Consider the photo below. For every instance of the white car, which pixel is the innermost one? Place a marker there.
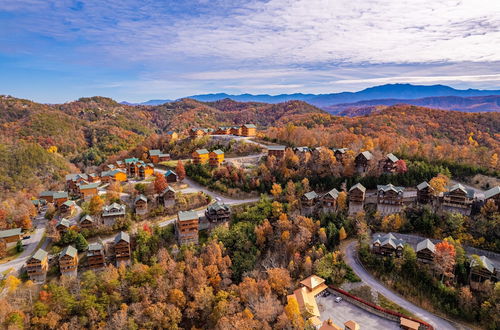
(338, 299)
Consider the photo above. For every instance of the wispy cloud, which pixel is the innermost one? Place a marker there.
(421, 80)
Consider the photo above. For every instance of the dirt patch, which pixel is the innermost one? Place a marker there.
(484, 182)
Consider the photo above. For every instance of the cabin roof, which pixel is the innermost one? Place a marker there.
(75, 176)
(492, 192)
(89, 186)
(217, 206)
(63, 222)
(358, 186)
(368, 155)
(218, 152)
(141, 197)
(68, 250)
(154, 152)
(69, 203)
(96, 246)
(392, 157)
(334, 193)
(426, 244)
(312, 282)
(388, 239)
(40, 255)
(249, 126)
(167, 173)
(423, 185)
(486, 263)
(311, 195)
(390, 186)
(122, 236)
(470, 193)
(60, 194)
(341, 150)
(276, 148)
(10, 232)
(201, 151)
(168, 189)
(187, 215)
(87, 217)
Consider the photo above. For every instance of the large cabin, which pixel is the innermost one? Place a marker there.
(11, 236)
(110, 213)
(425, 251)
(277, 151)
(200, 156)
(216, 158)
(75, 180)
(356, 198)
(67, 207)
(87, 191)
(223, 130)
(37, 266)
(218, 213)
(96, 258)
(167, 197)
(171, 176)
(199, 132)
(141, 205)
(156, 156)
(68, 261)
(62, 226)
(87, 222)
(329, 201)
(362, 161)
(308, 202)
(482, 269)
(248, 130)
(235, 130)
(387, 245)
(186, 227)
(458, 199)
(425, 193)
(389, 199)
(388, 164)
(115, 175)
(122, 248)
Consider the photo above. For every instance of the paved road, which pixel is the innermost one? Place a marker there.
(39, 223)
(367, 278)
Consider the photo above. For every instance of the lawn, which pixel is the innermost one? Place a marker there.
(11, 255)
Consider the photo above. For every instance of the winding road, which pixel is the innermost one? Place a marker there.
(352, 260)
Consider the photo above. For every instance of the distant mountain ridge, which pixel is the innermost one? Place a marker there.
(388, 91)
(489, 103)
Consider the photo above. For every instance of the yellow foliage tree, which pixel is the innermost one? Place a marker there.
(292, 311)
(494, 161)
(52, 149)
(276, 190)
(11, 283)
(439, 183)
(342, 201)
(342, 234)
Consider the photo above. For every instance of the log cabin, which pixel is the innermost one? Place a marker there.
(68, 261)
(277, 151)
(110, 213)
(362, 161)
(387, 245)
(482, 269)
(425, 193)
(67, 207)
(62, 226)
(74, 180)
(171, 176)
(235, 130)
(167, 197)
(186, 227)
(215, 158)
(87, 191)
(37, 266)
(87, 222)
(458, 199)
(218, 212)
(425, 251)
(141, 205)
(199, 132)
(122, 248)
(388, 164)
(200, 156)
(156, 156)
(308, 202)
(329, 201)
(96, 257)
(116, 175)
(389, 199)
(248, 130)
(356, 198)
(223, 130)
(11, 236)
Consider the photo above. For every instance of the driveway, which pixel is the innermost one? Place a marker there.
(352, 260)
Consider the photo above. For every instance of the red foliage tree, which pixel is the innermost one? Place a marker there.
(401, 166)
(181, 172)
(160, 183)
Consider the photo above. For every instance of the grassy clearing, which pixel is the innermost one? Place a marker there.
(389, 304)
(11, 255)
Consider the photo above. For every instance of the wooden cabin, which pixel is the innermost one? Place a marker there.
(387, 244)
(388, 164)
(67, 207)
(75, 180)
(199, 132)
(172, 136)
(122, 248)
(47, 196)
(171, 176)
(141, 204)
(68, 261)
(357, 193)
(87, 191)
(110, 213)
(425, 251)
(494, 195)
(235, 130)
(11, 236)
(308, 202)
(200, 156)
(218, 212)
(186, 227)
(216, 158)
(96, 258)
(362, 161)
(138, 169)
(277, 151)
(62, 226)
(167, 197)
(56, 197)
(389, 199)
(458, 199)
(37, 266)
(223, 130)
(145, 170)
(425, 193)
(156, 156)
(248, 130)
(116, 175)
(329, 201)
(87, 222)
(339, 153)
(482, 269)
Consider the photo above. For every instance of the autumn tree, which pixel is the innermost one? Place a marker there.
(279, 279)
(342, 201)
(181, 172)
(439, 183)
(95, 205)
(444, 259)
(3, 248)
(401, 166)
(276, 190)
(114, 191)
(160, 183)
(342, 234)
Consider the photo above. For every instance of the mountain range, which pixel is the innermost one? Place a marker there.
(396, 93)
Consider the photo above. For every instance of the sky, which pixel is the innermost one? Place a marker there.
(56, 51)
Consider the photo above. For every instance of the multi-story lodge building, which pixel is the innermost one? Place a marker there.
(248, 130)
(389, 199)
(68, 261)
(138, 169)
(329, 201)
(62, 225)
(87, 222)
(74, 180)
(482, 269)
(11, 236)
(425, 251)
(458, 199)
(387, 244)
(122, 248)
(37, 266)
(110, 213)
(277, 151)
(494, 195)
(362, 161)
(216, 158)
(96, 257)
(308, 202)
(235, 130)
(356, 198)
(167, 197)
(87, 191)
(388, 164)
(186, 227)
(141, 205)
(115, 175)
(218, 212)
(199, 132)
(67, 208)
(425, 193)
(223, 130)
(156, 156)
(200, 156)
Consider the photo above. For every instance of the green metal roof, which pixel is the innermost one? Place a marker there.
(40, 255)
(358, 186)
(202, 151)
(187, 215)
(68, 250)
(10, 232)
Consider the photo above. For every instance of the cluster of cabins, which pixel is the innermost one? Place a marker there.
(243, 130)
(362, 162)
(96, 257)
(213, 158)
(390, 199)
(390, 245)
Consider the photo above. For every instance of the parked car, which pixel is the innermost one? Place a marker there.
(338, 299)
(27, 237)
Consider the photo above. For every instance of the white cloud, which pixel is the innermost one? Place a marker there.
(421, 80)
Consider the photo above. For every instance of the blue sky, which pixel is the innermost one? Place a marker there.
(57, 50)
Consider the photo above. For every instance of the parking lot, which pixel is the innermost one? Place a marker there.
(344, 311)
